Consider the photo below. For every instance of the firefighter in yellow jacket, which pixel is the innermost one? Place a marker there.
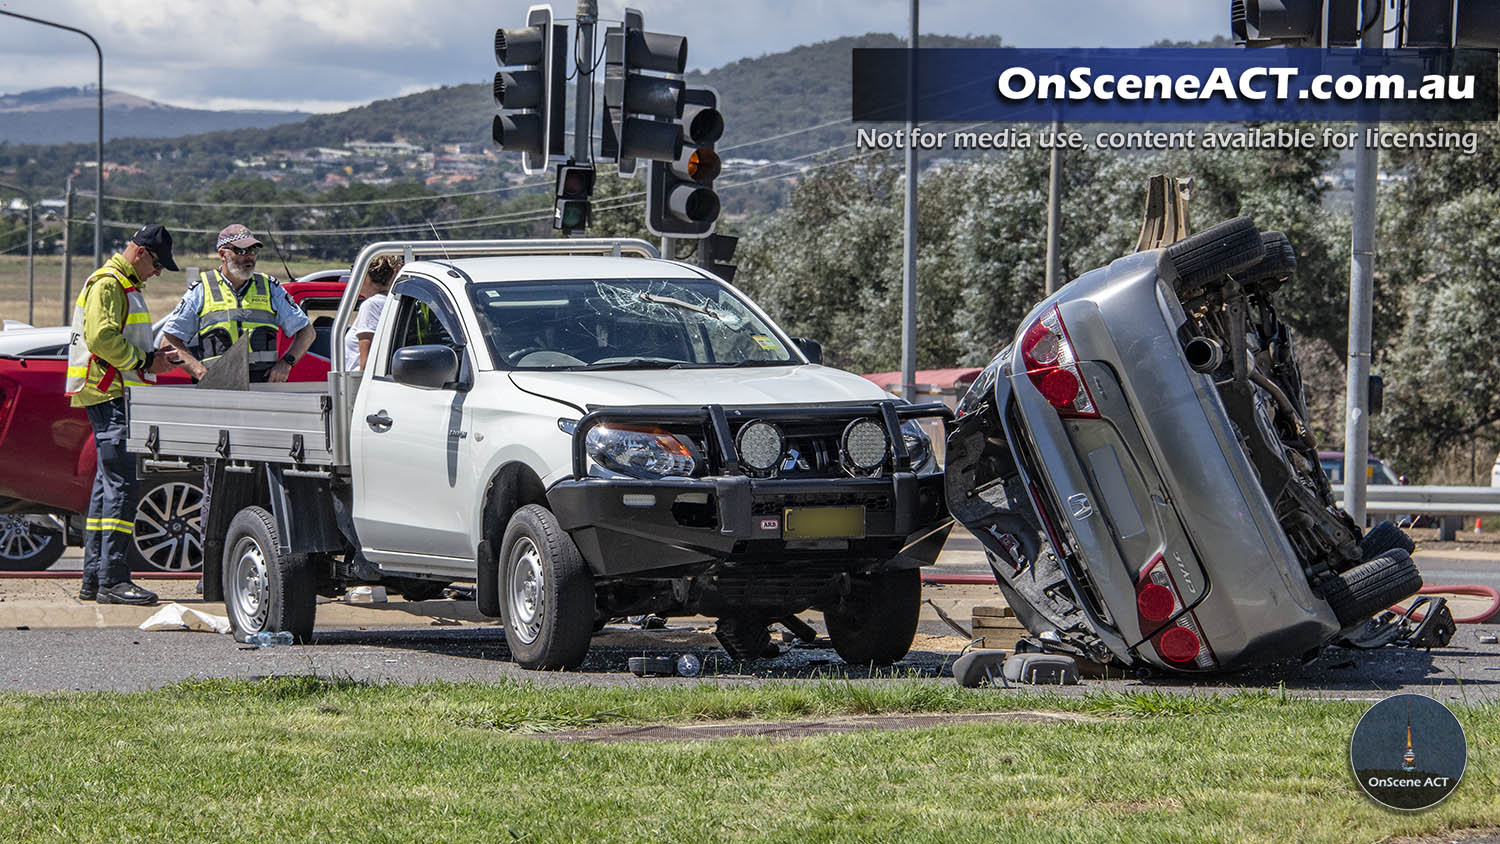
(110, 348)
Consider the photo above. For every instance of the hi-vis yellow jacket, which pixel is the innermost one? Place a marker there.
(111, 334)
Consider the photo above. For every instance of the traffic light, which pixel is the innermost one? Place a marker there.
(575, 184)
(680, 199)
(714, 254)
(530, 88)
(1294, 23)
(639, 103)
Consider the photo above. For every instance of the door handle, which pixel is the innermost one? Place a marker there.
(379, 422)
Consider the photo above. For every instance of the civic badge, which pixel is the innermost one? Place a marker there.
(1080, 506)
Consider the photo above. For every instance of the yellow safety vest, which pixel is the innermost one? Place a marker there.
(224, 316)
(86, 369)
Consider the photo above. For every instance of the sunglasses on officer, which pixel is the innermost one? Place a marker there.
(155, 261)
(247, 250)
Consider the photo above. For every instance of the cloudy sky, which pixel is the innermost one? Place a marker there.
(328, 55)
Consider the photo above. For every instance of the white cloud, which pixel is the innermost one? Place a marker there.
(324, 55)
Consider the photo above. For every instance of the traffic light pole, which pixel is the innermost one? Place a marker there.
(583, 123)
(909, 252)
(1361, 292)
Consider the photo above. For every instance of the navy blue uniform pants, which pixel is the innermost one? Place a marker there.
(111, 521)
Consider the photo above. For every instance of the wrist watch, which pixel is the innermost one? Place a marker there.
(289, 359)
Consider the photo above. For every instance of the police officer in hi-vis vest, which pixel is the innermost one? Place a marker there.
(111, 349)
(233, 300)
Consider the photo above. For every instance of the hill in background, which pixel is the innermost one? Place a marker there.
(70, 115)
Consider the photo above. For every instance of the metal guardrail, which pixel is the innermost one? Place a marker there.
(1449, 503)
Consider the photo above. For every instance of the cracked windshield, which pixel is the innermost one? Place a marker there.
(624, 324)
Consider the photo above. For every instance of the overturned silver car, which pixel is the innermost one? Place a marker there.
(1138, 466)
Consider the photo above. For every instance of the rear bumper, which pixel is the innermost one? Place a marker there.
(685, 526)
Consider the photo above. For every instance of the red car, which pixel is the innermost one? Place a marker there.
(47, 449)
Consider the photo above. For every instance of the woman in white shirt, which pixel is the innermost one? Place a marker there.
(374, 289)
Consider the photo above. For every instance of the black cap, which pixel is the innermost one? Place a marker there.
(156, 238)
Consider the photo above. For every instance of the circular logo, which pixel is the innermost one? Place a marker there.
(1408, 752)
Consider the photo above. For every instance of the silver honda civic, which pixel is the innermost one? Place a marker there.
(1139, 468)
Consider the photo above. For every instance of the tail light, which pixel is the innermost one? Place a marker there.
(1053, 367)
(1181, 642)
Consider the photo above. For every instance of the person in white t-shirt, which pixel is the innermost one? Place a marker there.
(375, 290)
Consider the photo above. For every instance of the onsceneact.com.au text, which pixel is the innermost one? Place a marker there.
(1021, 84)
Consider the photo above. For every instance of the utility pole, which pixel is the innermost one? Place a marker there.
(1054, 209)
(909, 250)
(583, 121)
(67, 271)
(1361, 288)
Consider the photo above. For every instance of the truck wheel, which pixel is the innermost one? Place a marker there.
(27, 545)
(1382, 538)
(546, 592)
(265, 590)
(167, 523)
(1205, 259)
(1370, 587)
(878, 620)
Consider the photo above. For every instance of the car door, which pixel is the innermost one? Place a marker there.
(413, 490)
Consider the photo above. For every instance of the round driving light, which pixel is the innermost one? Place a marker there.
(760, 445)
(865, 444)
(1154, 602)
(1179, 645)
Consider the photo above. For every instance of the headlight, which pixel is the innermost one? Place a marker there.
(865, 446)
(918, 444)
(638, 450)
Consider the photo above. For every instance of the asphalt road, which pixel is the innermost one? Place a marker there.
(447, 641)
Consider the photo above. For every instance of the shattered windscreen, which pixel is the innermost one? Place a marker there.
(634, 323)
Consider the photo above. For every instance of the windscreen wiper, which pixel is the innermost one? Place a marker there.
(680, 303)
(632, 363)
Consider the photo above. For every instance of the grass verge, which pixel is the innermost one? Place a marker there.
(302, 758)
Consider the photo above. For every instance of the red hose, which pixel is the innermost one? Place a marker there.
(1471, 589)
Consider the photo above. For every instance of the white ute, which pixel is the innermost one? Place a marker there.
(582, 430)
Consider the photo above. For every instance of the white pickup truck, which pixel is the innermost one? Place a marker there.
(583, 430)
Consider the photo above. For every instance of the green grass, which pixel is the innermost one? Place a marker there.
(301, 759)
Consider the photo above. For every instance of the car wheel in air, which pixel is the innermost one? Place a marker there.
(877, 620)
(1368, 588)
(1382, 538)
(28, 545)
(167, 524)
(1206, 259)
(1272, 270)
(546, 592)
(265, 590)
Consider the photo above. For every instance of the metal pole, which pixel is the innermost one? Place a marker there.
(1361, 293)
(67, 271)
(99, 144)
(1054, 209)
(583, 129)
(909, 250)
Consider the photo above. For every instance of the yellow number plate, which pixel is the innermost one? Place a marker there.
(823, 523)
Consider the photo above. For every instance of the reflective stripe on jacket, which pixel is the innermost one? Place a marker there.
(224, 316)
(92, 378)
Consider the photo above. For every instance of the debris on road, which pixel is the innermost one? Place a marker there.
(978, 666)
(1037, 669)
(175, 616)
(1488, 639)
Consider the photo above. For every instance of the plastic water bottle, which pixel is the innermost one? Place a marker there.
(267, 639)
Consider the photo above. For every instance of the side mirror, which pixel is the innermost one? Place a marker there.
(811, 349)
(431, 366)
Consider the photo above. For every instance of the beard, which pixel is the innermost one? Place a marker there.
(238, 272)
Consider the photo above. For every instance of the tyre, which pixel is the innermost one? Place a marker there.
(546, 592)
(263, 589)
(1205, 259)
(1370, 587)
(28, 545)
(1382, 538)
(877, 621)
(746, 638)
(168, 522)
(1272, 270)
